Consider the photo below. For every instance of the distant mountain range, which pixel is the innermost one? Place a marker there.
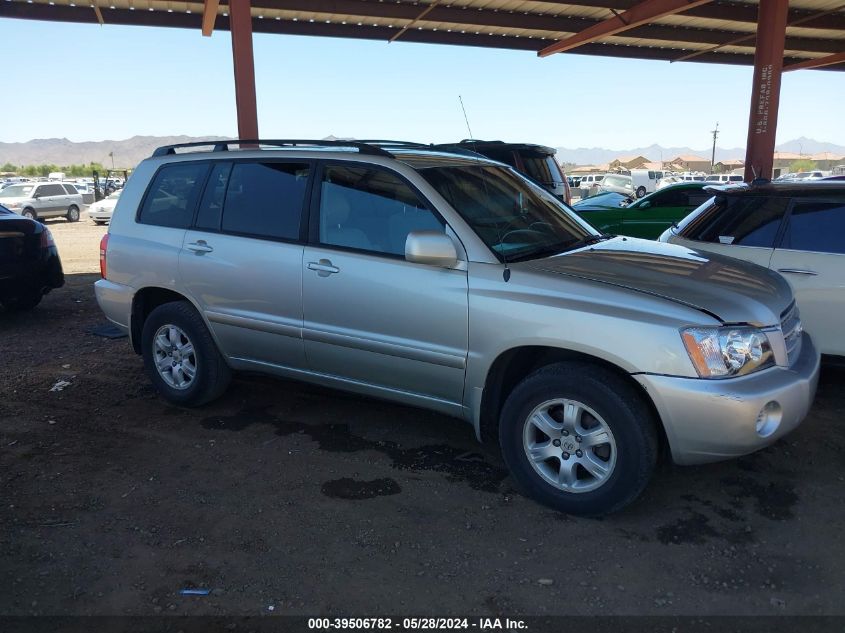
(129, 152)
(61, 151)
(599, 155)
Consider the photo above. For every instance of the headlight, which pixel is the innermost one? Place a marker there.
(727, 351)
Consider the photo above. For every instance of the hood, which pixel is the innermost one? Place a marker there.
(105, 205)
(732, 290)
(12, 200)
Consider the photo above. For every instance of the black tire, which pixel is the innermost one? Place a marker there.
(29, 213)
(72, 213)
(26, 301)
(640, 191)
(623, 410)
(212, 373)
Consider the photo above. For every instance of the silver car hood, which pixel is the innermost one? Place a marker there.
(732, 290)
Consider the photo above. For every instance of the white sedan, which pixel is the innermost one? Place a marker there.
(100, 212)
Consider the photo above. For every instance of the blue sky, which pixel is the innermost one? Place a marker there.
(173, 81)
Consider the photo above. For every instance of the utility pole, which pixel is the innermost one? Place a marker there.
(111, 155)
(715, 134)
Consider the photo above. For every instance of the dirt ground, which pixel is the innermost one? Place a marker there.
(313, 501)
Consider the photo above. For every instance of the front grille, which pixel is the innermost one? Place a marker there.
(790, 325)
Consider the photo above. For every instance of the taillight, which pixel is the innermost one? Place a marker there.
(47, 238)
(104, 245)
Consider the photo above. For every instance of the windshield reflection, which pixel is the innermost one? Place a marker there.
(514, 217)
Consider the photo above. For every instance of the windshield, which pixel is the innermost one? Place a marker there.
(16, 191)
(515, 218)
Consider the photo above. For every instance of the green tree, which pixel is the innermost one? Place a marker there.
(803, 164)
(8, 167)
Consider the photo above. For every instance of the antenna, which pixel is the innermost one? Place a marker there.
(715, 134)
(506, 273)
(469, 129)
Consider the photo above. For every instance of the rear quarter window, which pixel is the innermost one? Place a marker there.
(543, 169)
(173, 194)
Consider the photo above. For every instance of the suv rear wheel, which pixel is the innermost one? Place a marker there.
(180, 356)
(72, 213)
(578, 438)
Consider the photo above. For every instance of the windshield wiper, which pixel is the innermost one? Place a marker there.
(590, 239)
(560, 248)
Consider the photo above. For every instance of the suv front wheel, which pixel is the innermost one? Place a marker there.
(578, 438)
(180, 356)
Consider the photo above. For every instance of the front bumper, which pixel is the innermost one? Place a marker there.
(711, 420)
(100, 215)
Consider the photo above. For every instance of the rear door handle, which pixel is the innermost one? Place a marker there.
(323, 267)
(798, 271)
(200, 246)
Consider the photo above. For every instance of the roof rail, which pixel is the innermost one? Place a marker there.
(223, 146)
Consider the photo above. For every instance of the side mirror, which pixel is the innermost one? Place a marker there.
(434, 248)
(36, 195)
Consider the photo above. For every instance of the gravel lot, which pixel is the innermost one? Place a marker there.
(313, 501)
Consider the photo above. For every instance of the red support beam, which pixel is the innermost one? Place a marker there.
(209, 16)
(638, 15)
(240, 21)
(765, 91)
(819, 62)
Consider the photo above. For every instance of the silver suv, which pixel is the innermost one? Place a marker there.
(37, 200)
(451, 282)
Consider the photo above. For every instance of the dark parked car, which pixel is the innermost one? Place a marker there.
(535, 161)
(29, 261)
(647, 217)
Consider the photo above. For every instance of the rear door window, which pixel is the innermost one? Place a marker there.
(52, 190)
(817, 226)
(173, 195)
(265, 199)
(740, 220)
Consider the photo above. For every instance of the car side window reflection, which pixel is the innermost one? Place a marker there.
(743, 221)
(371, 210)
(816, 226)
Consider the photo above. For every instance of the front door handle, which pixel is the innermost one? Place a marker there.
(323, 267)
(798, 271)
(199, 247)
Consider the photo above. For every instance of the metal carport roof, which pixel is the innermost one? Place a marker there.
(771, 35)
(716, 32)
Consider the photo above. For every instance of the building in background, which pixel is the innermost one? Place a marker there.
(690, 162)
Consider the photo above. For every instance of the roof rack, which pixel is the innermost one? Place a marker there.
(223, 146)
